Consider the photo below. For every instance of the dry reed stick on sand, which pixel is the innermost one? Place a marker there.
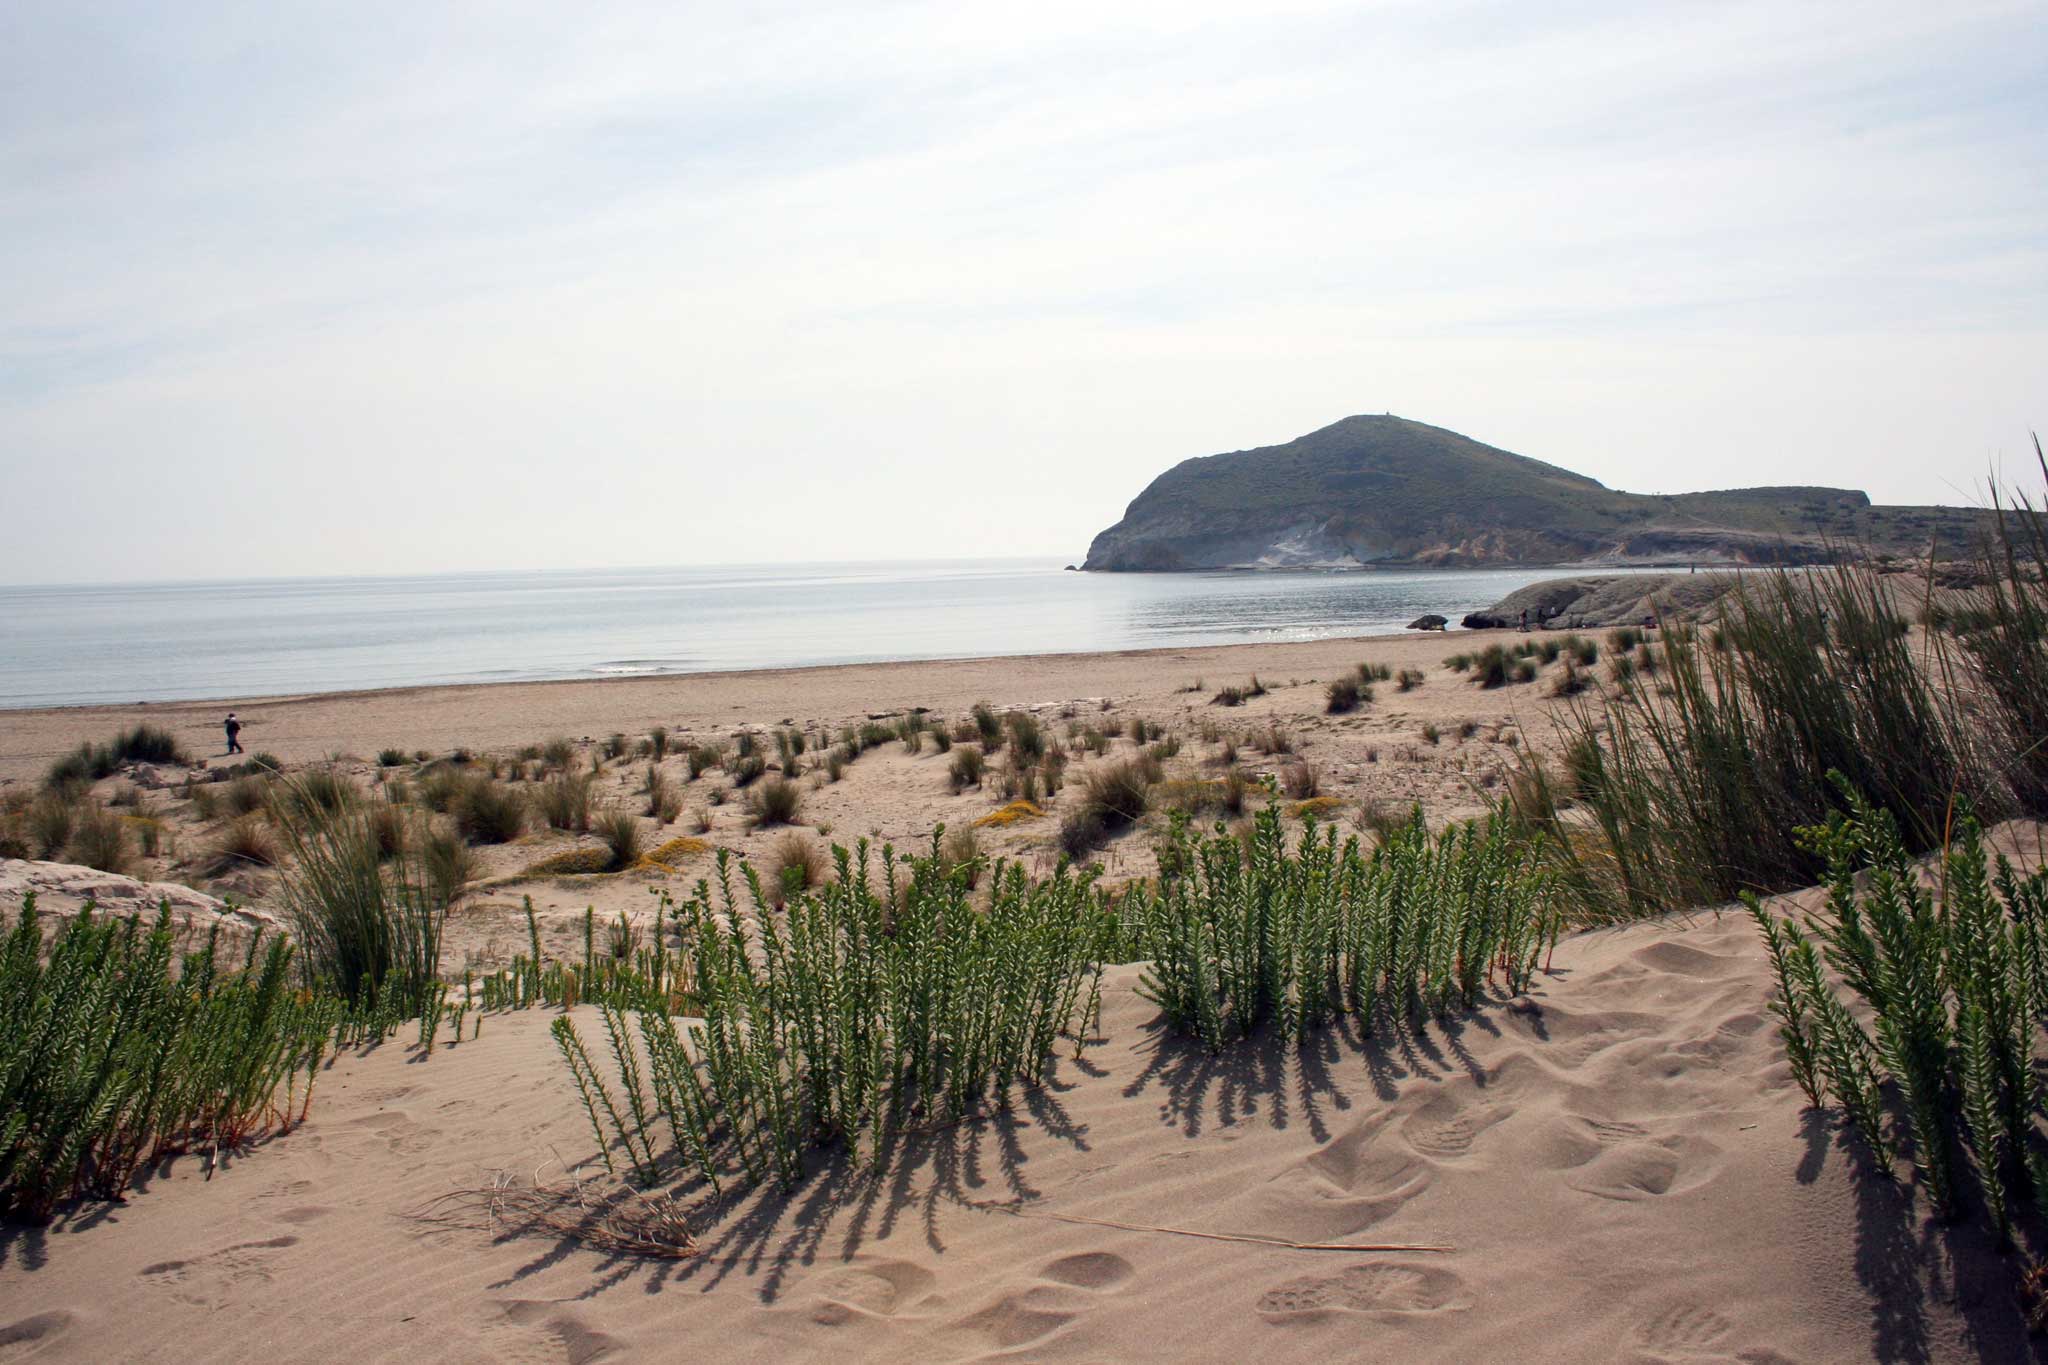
(625, 1221)
(1015, 1212)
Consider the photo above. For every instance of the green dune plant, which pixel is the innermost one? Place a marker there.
(841, 1018)
(1950, 981)
(114, 1055)
(1247, 932)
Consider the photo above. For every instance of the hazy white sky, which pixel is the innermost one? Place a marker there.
(380, 287)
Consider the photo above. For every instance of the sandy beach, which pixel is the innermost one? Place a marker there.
(1615, 1167)
(501, 715)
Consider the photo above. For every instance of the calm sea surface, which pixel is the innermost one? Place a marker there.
(180, 641)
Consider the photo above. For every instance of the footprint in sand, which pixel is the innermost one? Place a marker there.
(1022, 1318)
(1445, 1128)
(868, 1287)
(1030, 1315)
(214, 1279)
(1730, 1039)
(543, 1332)
(1367, 1287)
(1645, 1169)
(401, 1132)
(1685, 1328)
(26, 1338)
(1355, 1180)
(1097, 1270)
(1572, 1140)
(1681, 959)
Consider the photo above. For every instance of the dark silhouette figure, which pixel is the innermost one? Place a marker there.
(234, 728)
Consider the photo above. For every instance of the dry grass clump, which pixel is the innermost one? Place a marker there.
(1274, 739)
(1345, 694)
(988, 728)
(48, 823)
(1315, 807)
(701, 759)
(642, 1224)
(1113, 798)
(388, 828)
(620, 831)
(1408, 679)
(966, 768)
(1571, 680)
(1238, 696)
(796, 862)
(1011, 814)
(315, 792)
(664, 802)
(90, 762)
(245, 841)
(1386, 821)
(1301, 780)
(248, 794)
(960, 854)
(1193, 796)
(564, 801)
(488, 813)
(777, 801)
(446, 865)
(99, 841)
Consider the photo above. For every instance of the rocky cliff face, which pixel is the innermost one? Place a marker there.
(1387, 491)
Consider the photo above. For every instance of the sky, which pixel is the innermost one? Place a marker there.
(392, 287)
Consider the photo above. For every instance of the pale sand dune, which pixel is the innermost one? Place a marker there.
(1620, 1164)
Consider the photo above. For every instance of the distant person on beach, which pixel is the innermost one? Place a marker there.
(234, 728)
(1525, 620)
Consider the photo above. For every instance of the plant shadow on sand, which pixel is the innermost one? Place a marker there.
(768, 1232)
(1906, 1261)
(980, 1162)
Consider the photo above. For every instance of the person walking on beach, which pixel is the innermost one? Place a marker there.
(234, 728)
(1525, 620)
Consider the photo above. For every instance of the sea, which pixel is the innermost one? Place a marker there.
(90, 644)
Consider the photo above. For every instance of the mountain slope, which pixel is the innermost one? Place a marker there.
(1385, 490)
